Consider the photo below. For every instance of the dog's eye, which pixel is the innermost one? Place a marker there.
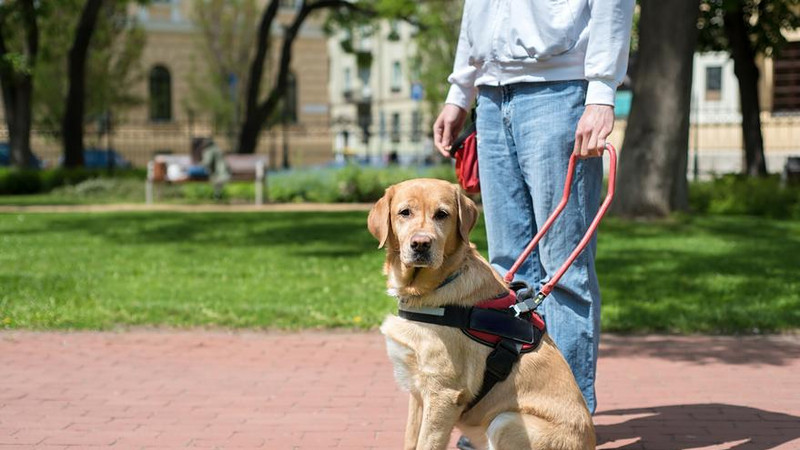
(404, 212)
(441, 215)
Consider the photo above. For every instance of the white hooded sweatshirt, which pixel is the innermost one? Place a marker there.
(512, 41)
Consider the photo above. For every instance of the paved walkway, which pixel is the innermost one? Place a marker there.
(170, 389)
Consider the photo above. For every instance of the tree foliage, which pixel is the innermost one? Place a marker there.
(19, 51)
(219, 85)
(261, 106)
(437, 24)
(766, 21)
(113, 65)
(747, 29)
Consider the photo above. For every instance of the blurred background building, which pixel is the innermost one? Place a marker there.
(377, 111)
(357, 95)
(168, 117)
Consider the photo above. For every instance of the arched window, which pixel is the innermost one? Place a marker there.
(290, 98)
(160, 94)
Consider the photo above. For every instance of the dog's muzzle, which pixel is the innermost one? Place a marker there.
(420, 250)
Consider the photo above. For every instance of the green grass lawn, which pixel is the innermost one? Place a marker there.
(308, 270)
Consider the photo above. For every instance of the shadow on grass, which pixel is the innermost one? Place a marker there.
(241, 229)
(689, 274)
(734, 275)
(695, 426)
(345, 231)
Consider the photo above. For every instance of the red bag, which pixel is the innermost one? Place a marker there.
(465, 151)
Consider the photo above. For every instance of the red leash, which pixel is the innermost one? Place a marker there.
(531, 304)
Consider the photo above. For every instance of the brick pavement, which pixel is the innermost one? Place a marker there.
(171, 389)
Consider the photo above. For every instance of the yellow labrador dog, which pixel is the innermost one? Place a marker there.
(424, 225)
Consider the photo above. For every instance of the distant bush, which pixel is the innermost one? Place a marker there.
(348, 184)
(102, 190)
(19, 182)
(740, 195)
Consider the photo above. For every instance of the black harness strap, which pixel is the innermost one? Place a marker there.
(513, 331)
(492, 321)
(498, 365)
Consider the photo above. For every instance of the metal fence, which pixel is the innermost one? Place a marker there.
(715, 142)
(138, 143)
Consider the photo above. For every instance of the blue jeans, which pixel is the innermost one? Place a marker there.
(526, 133)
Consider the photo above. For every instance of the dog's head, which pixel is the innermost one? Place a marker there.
(424, 220)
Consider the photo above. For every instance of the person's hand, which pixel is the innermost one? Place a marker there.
(447, 127)
(594, 127)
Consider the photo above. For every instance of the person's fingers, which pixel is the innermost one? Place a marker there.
(586, 134)
(600, 147)
(591, 146)
(602, 137)
(580, 137)
(437, 134)
(447, 135)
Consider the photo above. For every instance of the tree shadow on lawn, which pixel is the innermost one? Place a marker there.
(241, 229)
(730, 275)
(346, 232)
(695, 426)
(652, 278)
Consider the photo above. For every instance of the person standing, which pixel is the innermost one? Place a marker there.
(545, 74)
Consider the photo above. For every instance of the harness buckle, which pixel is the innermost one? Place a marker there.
(530, 304)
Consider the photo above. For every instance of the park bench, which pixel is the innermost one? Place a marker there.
(791, 171)
(173, 169)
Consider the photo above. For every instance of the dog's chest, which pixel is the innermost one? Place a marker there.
(402, 359)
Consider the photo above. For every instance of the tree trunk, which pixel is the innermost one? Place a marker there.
(18, 111)
(248, 137)
(17, 88)
(256, 114)
(744, 66)
(251, 126)
(654, 156)
(72, 122)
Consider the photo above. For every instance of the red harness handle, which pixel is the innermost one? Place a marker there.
(612, 178)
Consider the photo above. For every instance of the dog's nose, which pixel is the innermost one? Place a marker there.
(420, 243)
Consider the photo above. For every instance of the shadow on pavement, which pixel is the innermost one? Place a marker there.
(771, 350)
(694, 427)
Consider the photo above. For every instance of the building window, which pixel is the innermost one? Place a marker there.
(290, 99)
(382, 125)
(397, 76)
(364, 64)
(785, 79)
(395, 127)
(416, 126)
(347, 89)
(160, 94)
(394, 31)
(713, 83)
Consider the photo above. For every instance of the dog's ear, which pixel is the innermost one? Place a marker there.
(467, 213)
(379, 222)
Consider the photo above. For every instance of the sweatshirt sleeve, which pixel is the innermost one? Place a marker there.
(462, 90)
(608, 47)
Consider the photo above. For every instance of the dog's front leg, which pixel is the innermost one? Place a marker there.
(440, 412)
(414, 422)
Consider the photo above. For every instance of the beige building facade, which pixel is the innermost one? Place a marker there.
(163, 123)
(373, 86)
(366, 90)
